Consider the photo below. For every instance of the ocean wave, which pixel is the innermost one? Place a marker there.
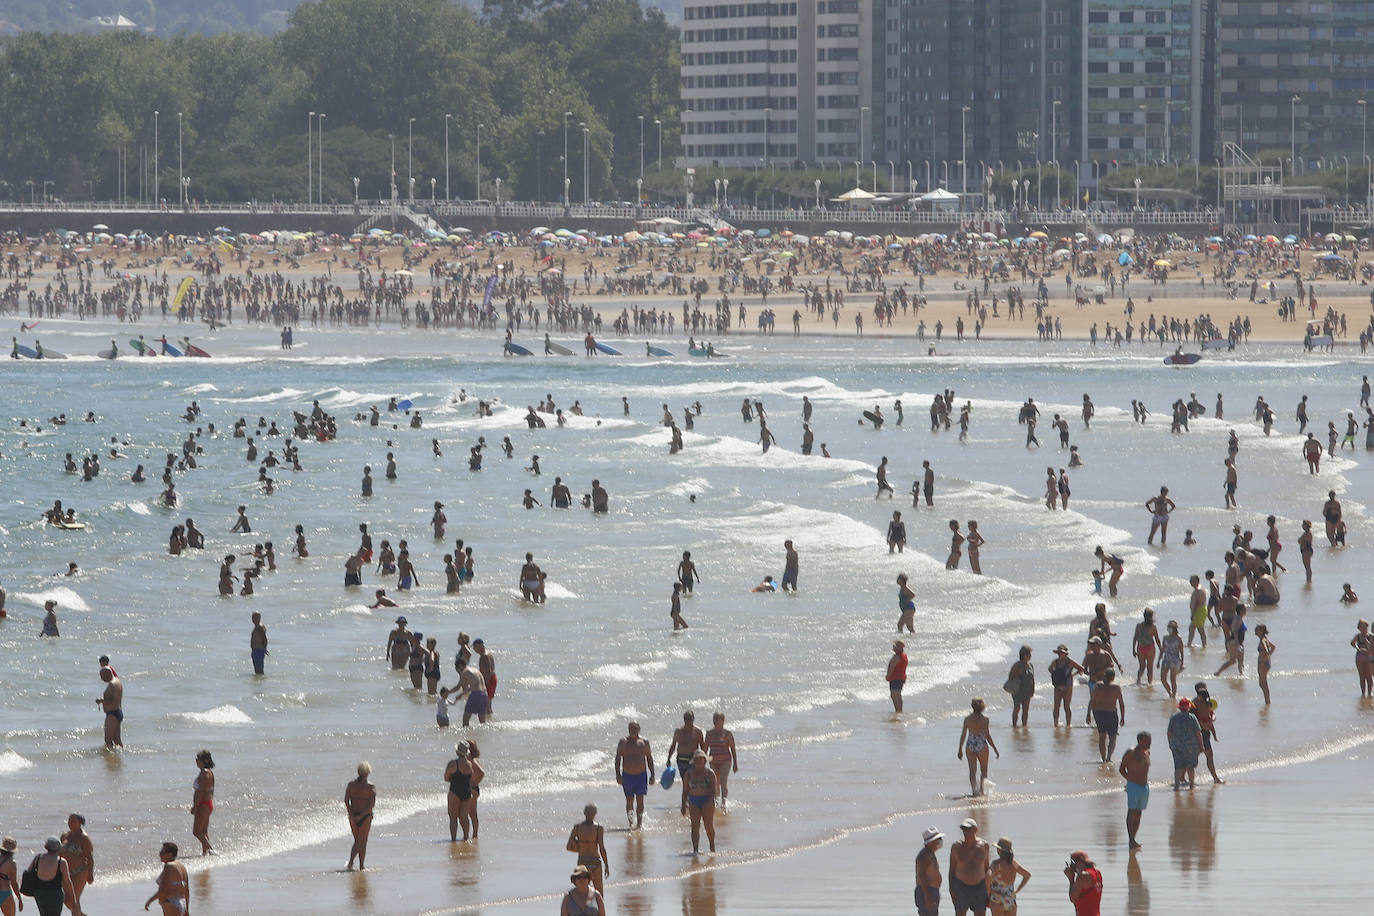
(228, 714)
(66, 599)
(10, 762)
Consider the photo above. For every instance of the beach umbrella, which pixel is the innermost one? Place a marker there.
(1331, 256)
(764, 233)
(990, 236)
(1332, 237)
(1240, 252)
(832, 233)
(785, 254)
(1104, 239)
(846, 235)
(1287, 240)
(402, 273)
(1215, 238)
(563, 233)
(703, 245)
(100, 227)
(1251, 238)
(1125, 259)
(1163, 262)
(1037, 234)
(632, 236)
(894, 246)
(798, 239)
(1347, 238)
(1061, 253)
(539, 230)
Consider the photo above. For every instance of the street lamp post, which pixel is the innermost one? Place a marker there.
(447, 119)
(155, 197)
(930, 178)
(641, 147)
(392, 138)
(818, 193)
(410, 156)
(891, 176)
(498, 194)
(179, 173)
(861, 138)
(767, 117)
(1137, 194)
(310, 158)
(717, 184)
(659, 123)
(539, 166)
(908, 176)
(858, 175)
(1364, 126)
(963, 146)
(433, 182)
(477, 194)
(1054, 139)
(185, 183)
(1293, 128)
(725, 183)
(356, 181)
(566, 115)
(586, 162)
(319, 148)
(45, 189)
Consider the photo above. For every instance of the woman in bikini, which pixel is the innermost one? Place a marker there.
(700, 800)
(720, 745)
(79, 853)
(203, 801)
(956, 545)
(300, 549)
(9, 876)
(417, 661)
(975, 542)
(1274, 546)
(1051, 488)
(1363, 644)
(976, 737)
(360, 797)
(1143, 646)
(478, 774)
(432, 672)
(173, 885)
(1264, 647)
(1171, 659)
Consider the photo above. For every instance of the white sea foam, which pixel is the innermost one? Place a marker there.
(627, 673)
(228, 714)
(67, 600)
(10, 762)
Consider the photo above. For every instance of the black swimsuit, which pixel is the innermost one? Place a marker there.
(460, 784)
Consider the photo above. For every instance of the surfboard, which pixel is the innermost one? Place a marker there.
(873, 418)
(609, 351)
(697, 351)
(143, 348)
(26, 352)
(404, 404)
(53, 354)
(193, 350)
(514, 349)
(1182, 359)
(559, 349)
(106, 354)
(171, 350)
(26, 328)
(1216, 343)
(658, 351)
(70, 526)
(1322, 340)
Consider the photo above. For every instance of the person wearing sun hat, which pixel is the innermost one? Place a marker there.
(928, 878)
(1002, 884)
(583, 899)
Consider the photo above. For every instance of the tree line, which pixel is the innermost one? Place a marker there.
(77, 111)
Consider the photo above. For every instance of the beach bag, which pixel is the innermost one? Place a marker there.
(669, 774)
(1010, 685)
(28, 882)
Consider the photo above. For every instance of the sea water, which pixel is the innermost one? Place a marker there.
(799, 677)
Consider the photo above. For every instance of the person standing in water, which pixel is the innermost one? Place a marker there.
(112, 702)
(974, 542)
(956, 545)
(700, 788)
(203, 801)
(360, 797)
(976, 737)
(1160, 506)
(173, 884)
(257, 643)
(634, 762)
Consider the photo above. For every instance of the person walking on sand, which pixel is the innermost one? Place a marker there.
(1185, 744)
(1160, 506)
(634, 761)
(1135, 769)
(1002, 875)
(687, 740)
(975, 738)
(969, 861)
(928, 877)
(588, 840)
(360, 797)
(173, 884)
(1171, 658)
(1205, 710)
(1108, 708)
(203, 801)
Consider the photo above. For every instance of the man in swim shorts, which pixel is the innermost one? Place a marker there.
(789, 571)
(486, 666)
(1108, 708)
(969, 862)
(1135, 769)
(470, 686)
(687, 740)
(928, 877)
(634, 761)
(112, 702)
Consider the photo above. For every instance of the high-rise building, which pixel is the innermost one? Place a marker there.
(1293, 75)
(770, 81)
(1146, 88)
(977, 80)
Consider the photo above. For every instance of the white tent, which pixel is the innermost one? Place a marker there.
(939, 195)
(852, 195)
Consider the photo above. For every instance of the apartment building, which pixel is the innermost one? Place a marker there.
(1294, 74)
(776, 81)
